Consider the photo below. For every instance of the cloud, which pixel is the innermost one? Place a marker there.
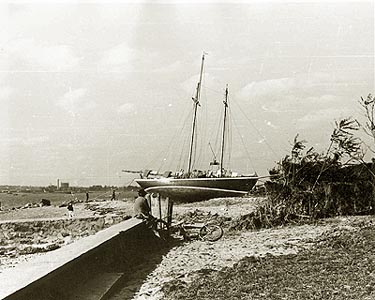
(300, 85)
(127, 108)
(307, 103)
(75, 102)
(117, 58)
(298, 95)
(270, 124)
(323, 116)
(5, 92)
(27, 54)
(190, 84)
(25, 141)
(267, 87)
(176, 66)
(261, 141)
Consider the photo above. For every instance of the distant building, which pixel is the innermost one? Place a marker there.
(64, 185)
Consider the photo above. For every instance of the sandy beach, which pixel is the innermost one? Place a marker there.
(184, 262)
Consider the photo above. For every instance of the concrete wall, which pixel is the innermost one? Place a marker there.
(119, 254)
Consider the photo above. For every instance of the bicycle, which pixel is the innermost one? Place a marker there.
(203, 231)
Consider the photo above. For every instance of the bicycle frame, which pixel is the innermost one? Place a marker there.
(204, 231)
(207, 231)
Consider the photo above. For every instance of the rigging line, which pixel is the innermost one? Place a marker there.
(192, 155)
(204, 156)
(154, 160)
(212, 151)
(183, 155)
(185, 141)
(198, 145)
(256, 129)
(213, 90)
(180, 156)
(196, 100)
(218, 121)
(201, 128)
(243, 143)
(168, 146)
(225, 128)
(230, 137)
(195, 146)
(205, 127)
(130, 182)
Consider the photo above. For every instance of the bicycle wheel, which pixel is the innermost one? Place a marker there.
(211, 232)
(162, 228)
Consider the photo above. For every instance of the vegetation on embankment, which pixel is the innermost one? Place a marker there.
(307, 185)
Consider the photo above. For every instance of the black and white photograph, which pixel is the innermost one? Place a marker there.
(186, 149)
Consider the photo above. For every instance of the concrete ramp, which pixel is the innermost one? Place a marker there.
(53, 274)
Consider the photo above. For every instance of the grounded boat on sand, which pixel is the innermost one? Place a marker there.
(198, 189)
(196, 185)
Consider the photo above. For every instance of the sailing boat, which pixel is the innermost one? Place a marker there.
(197, 186)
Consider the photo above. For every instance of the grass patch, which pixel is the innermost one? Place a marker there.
(340, 266)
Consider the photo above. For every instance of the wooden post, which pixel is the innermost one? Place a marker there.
(169, 210)
(159, 204)
(148, 198)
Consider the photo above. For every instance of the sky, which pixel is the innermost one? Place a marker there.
(89, 88)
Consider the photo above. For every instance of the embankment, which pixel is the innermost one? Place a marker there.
(69, 271)
(33, 236)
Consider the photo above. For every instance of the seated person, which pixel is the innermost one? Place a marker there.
(141, 208)
(142, 211)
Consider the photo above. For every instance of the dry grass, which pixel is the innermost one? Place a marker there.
(340, 267)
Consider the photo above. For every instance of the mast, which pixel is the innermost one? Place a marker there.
(196, 103)
(223, 140)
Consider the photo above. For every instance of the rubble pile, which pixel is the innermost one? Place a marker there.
(29, 237)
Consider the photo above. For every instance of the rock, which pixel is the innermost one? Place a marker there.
(27, 205)
(108, 220)
(68, 239)
(45, 202)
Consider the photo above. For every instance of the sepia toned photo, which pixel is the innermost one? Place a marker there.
(180, 150)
